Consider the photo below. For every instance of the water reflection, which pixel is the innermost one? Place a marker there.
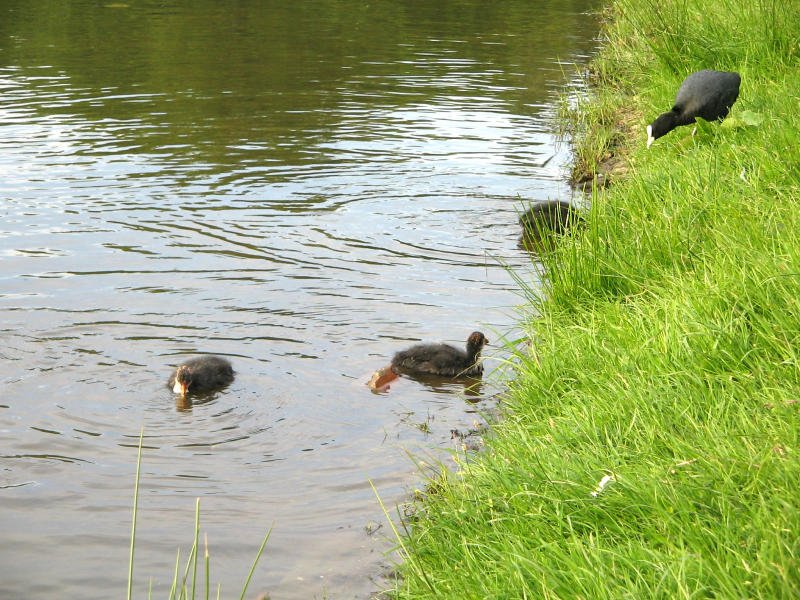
(469, 387)
(303, 187)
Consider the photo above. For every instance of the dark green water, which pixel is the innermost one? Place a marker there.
(305, 187)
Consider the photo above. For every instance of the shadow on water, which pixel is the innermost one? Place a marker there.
(305, 188)
(186, 403)
(471, 388)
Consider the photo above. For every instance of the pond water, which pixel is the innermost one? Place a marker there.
(304, 187)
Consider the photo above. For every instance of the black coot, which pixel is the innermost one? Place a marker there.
(442, 359)
(201, 374)
(550, 215)
(544, 221)
(706, 94)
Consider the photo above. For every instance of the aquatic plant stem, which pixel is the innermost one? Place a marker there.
(174, 587)
(255, 562)
(135, 509)
(196, 543)
(183, 592)
(208, 567)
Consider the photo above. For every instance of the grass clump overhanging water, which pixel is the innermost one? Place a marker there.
(665, 349)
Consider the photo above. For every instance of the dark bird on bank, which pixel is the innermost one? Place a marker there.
(706, 94)
(544, 222)
(551, 215)
(442, 359)
(201, 374)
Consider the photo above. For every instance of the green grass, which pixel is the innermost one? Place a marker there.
(666, 348)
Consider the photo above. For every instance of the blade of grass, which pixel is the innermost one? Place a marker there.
(208, 568)
(184, 590)
(135, 510)
(255, 562)
(405, 553)
(174, 587)
(196, 543)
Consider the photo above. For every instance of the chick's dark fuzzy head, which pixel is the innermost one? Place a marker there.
(183, 379)
(477, 340)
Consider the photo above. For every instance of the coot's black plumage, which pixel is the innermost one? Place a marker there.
(442, 359)
(544, 222)
(201, 374)
(707, 94)
(550, 215)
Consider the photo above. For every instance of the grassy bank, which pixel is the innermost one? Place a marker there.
(666, 348)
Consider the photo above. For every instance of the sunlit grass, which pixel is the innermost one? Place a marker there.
(665, 348)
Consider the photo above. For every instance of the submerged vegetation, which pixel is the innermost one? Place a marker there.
(651, 442)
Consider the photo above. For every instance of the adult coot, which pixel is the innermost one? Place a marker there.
(706, 94)
(442, 359)
(201, 374)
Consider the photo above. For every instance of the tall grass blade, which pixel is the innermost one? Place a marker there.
(184, 590)
(173, 590)
(208, 569)
(135, 510)
(196, 544)
(410, 556)
(255, 562)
